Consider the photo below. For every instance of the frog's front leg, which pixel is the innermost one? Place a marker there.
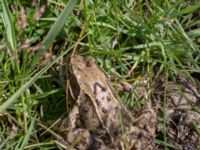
(76, 139)
(73, 137)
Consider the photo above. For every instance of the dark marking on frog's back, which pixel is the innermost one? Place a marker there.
(104, 110)
(98, 102)
(96, 84)
(108, 98)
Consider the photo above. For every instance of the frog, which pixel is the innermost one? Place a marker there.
(99, 120)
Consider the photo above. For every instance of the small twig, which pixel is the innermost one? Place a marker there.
(60, 141)
(80, 7)
(67, 96)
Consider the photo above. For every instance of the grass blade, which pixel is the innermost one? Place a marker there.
(28, 134)
(6, 17)
(57, 26)
(54, 31)
(6, 104)
(187, 10)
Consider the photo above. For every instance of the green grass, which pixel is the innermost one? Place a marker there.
(130, 40)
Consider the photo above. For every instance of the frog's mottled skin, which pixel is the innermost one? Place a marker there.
(98, 120)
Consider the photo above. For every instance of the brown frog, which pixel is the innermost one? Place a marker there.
(98, 120)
